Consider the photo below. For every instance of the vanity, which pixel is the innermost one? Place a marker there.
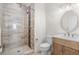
(65, 46)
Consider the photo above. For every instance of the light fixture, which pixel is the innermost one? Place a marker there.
(66, 7)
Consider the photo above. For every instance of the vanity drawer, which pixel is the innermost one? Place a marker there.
(67, 43)
(70, 51)
(59, 49)
(65, 47)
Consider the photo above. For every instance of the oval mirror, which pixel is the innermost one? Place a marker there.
(69, 21)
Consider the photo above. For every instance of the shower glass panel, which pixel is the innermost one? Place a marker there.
(14, 27)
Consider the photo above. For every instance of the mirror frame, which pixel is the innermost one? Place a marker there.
(74, 27)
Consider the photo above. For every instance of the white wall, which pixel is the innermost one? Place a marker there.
(53, 18)
(40, 28)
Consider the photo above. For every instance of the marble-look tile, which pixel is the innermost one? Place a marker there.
(15, 28)
(20, 50)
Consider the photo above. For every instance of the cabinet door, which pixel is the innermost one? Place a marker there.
(69, 51)
(57, 49)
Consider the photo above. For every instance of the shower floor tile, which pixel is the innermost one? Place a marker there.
(22, 50)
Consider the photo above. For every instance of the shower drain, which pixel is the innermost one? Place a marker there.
(18, 51)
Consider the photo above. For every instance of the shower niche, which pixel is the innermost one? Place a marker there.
(17, 29)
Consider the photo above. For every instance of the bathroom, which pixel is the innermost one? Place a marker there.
(51, 26)
(46, 26)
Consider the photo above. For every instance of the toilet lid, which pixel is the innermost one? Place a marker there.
(44, 45)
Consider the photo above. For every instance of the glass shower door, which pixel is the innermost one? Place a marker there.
(14, 28)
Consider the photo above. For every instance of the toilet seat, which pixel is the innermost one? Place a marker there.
(45, 45)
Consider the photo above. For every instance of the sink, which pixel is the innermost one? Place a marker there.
(71, 37)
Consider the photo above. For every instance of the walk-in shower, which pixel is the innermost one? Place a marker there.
(17, 28)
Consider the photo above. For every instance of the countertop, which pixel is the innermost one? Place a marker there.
(74, 38)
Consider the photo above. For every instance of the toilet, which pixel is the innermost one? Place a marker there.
(45, 47)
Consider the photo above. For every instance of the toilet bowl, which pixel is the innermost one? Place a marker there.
(44, 47)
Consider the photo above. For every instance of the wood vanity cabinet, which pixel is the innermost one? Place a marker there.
(57, 49)
(69, 51)
(65, 47)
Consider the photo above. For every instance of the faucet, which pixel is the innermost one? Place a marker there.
(68, 34)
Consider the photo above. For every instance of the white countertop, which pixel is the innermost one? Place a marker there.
(74, 38)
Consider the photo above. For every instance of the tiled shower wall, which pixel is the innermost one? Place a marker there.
(0, 21)
(15, 27)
